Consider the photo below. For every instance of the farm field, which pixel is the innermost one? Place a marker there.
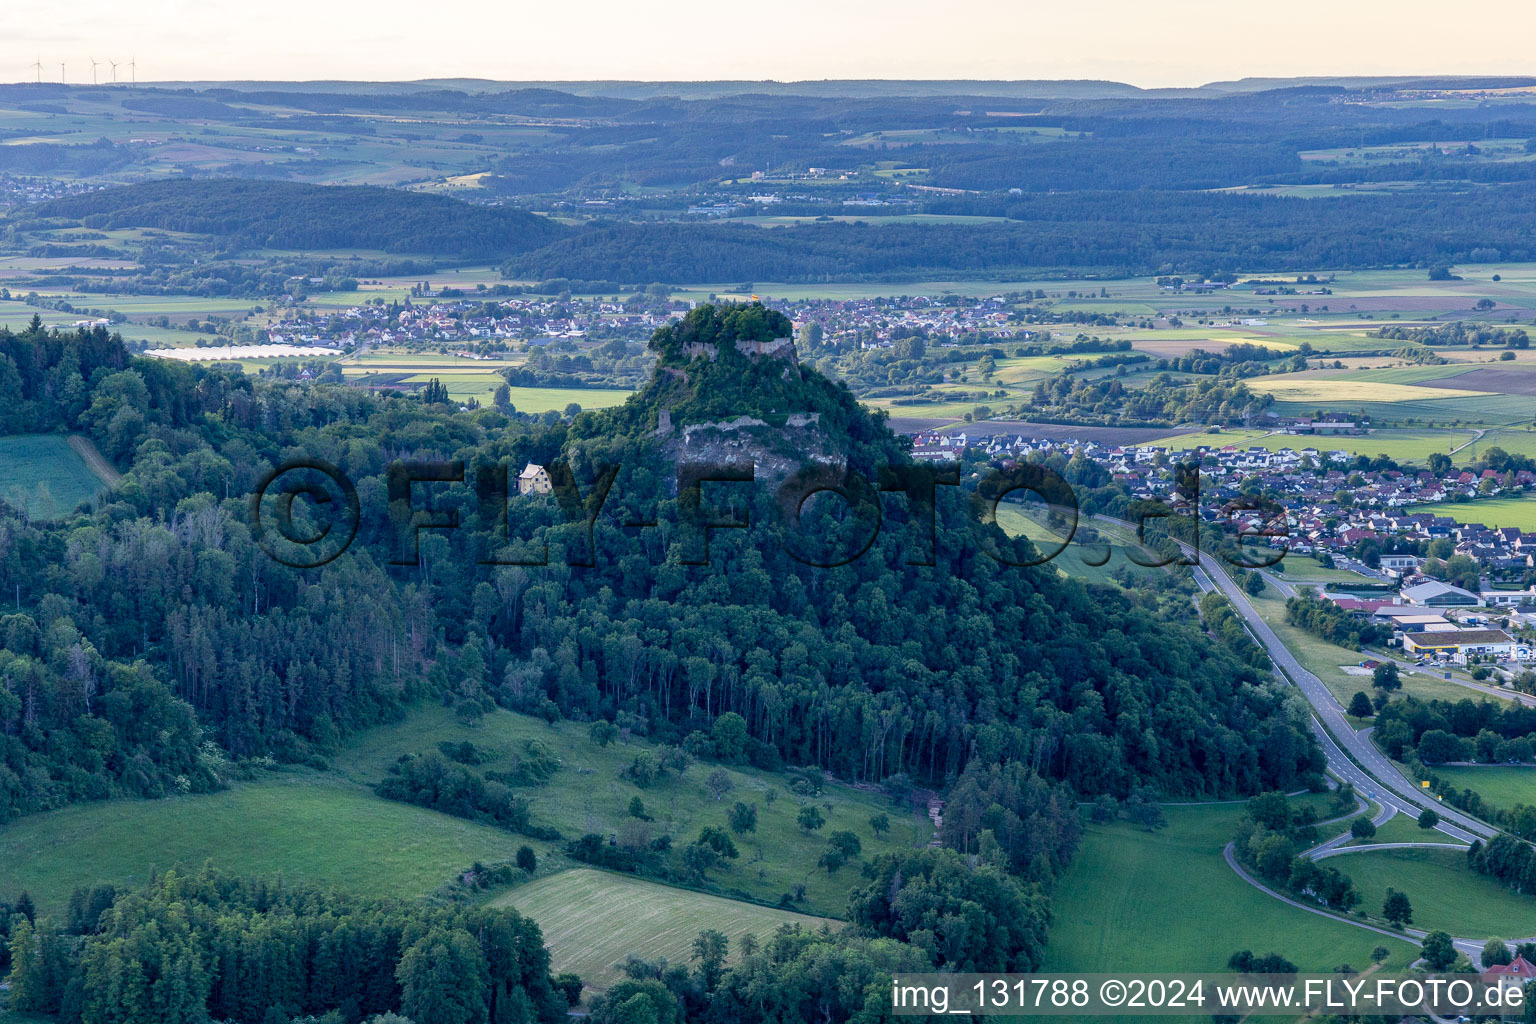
(1445, 893)
(1425, 410)
(1338, 391)
(329, 828)
(302, 826)
(1398, 445)
(45, 474)
(1503, 785)
(1126, 884)
(593, 919)
(1519, 512)
(1238, 437)
(1516, 441)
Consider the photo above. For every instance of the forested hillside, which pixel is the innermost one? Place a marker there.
(288, 215)
(1124, 232)
(871, 669)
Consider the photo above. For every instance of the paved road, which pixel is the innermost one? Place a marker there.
(1471, 947)
(1368, 847)
(1351, 755)
(1381, 779)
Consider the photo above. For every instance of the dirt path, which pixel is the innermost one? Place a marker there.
(94, 460)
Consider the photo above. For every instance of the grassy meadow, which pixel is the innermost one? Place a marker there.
(1445, 893)
(1503, 785)
(302, 825)
(588, 794)
(1072, 561)
(1127, 885)
(593, 919)
(44, 474)
(1519, 512)
(328, 828)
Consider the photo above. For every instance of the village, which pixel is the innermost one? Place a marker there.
(1442, 586)
(491, 323)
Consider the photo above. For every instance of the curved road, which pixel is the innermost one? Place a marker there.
(1350, 754)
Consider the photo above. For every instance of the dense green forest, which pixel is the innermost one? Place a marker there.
(287, 215)
(1122, 232)
(871, 669)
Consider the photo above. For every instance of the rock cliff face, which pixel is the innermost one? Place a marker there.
(729, 388)
(776, 449)
(782, 349)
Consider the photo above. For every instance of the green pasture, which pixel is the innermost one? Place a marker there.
(1503, 785)
(1127, 887)
(1445, 893)
(1519, 512)
(589, 794)
(43, 474)
(1515, 440)
(304, 826)
(330, 829)
(1072, 561)
(592, 920)
(1304, 569)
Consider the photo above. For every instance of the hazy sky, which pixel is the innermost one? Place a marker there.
(1169, 43)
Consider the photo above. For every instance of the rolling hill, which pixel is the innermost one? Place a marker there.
(290, 215)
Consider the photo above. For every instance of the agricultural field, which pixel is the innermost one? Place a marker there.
(47, 475)
(301, 825)
(1503, 785)
(1221, 437)
(329, 828)
(477, 379)
(1445, 893)
(1519, 512)
(1400, 445)
(593, 919)
(1126, 884)
(1341, 392)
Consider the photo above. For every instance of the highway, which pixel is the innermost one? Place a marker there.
(1351, 755)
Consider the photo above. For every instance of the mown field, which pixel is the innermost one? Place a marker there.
(329, 828)
(44, 474)
(1519, 512)
(1304, 569)
(593, 919)
(1502, 785)
(1339, 392)
(1445, 893)
(1139, 901)
(303, 825)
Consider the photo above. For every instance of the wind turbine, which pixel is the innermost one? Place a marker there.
(114, 70)
(61, 72)
(133, 71)
(94, 62)
(38, 65)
